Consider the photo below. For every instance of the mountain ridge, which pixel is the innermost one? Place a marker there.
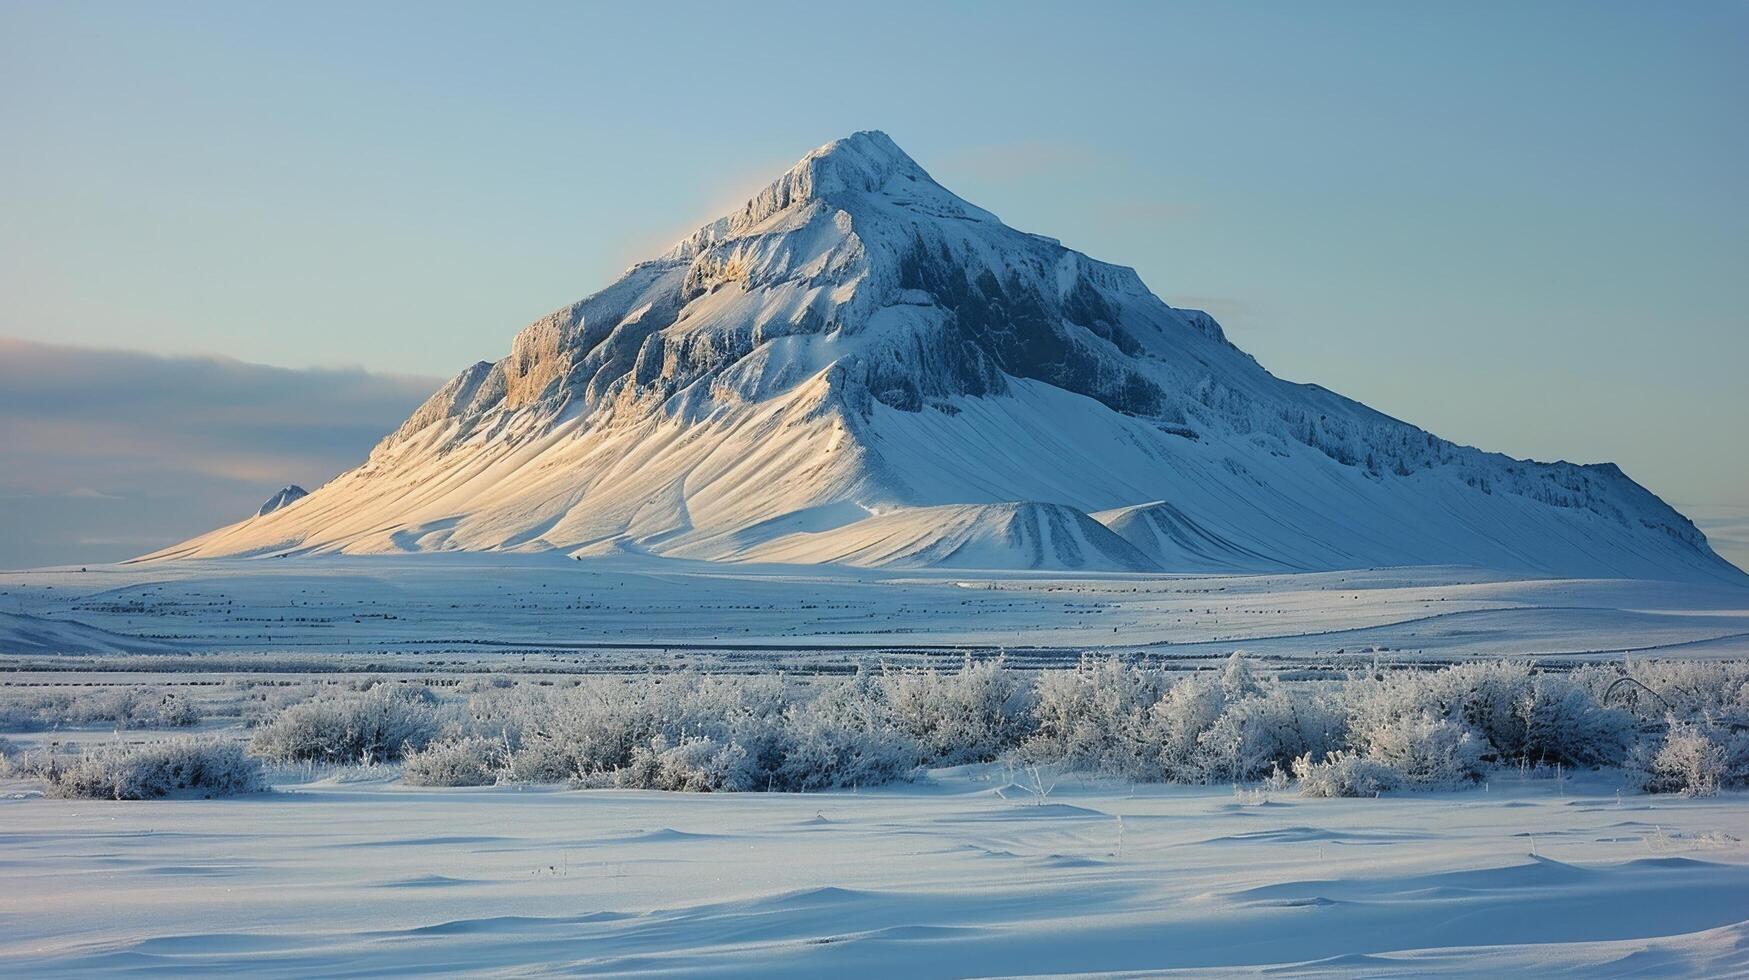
(856, 340)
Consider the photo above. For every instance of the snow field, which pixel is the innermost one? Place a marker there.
(632, 610)
(960, 876)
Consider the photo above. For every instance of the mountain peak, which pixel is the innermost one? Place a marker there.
(863, 160)
(815, 375)
(844, 174)
(285, 497)
(860, 163)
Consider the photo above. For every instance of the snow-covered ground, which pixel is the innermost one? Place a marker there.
(964, 873)
(960, 875)
(637, 607)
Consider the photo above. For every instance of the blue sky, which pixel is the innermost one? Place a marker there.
(1522, 226)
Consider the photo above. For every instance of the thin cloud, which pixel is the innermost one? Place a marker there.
(110, 452)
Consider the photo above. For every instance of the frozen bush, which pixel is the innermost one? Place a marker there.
(37, 709)
(475, 685)
(374, 725)
(1344, 773)
(1483, 697)
(714, 732)
(1176, 725)
(507, 712)
(16, 760)
(1564, 724)
(1691, 762)
(844, 736)
(972, 715)
(1425, 752)
(261, 702)
(1689, 689)
(1517, 714)
(689, 731)
(696, 765)
(1256, 735)
(34, 763)
(1488, 697)
(465, 761)
(1094, 718)
(596, 726)
(155, 769)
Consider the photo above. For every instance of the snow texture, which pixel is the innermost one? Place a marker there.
(626, 606)
(960, 876)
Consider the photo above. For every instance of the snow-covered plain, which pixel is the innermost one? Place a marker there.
(962, 874)
(959, 876)
(632, 608)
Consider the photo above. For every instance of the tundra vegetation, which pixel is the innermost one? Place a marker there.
(1670, 726)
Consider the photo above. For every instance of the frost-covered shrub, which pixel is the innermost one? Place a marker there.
(691, 731)
(1256, 735)
(972, 715)
(374, 725)
(1209, 726)
(1518, 715)
(714, 732)
(491, 682)
(1691, 762)
(16, 760)
(844, 736)
(34, 763)
(155, 769)
(696, 765)
(1564, 724)
(1489, 698)
(1425, 752)
(506, 712)
(596, 726)
(1483, 697)
(1344, 773)
(1095, 717)
(1175, 727)
(36, 709)
(261, 702)
(465, 761)
(1684, 688)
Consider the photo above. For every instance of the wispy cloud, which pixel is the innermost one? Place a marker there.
(109, 452)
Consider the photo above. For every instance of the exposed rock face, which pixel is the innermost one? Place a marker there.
(856, 340)
(289, 495)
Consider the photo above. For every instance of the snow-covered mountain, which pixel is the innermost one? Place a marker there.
(287, 495)
(858, 366)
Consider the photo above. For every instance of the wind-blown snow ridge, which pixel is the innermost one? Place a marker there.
(857, 365)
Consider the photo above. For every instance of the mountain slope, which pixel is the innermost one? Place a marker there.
(856, 341)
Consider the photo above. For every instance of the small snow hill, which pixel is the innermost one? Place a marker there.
(857, 365)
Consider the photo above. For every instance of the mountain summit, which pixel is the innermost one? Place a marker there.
(858, 366)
